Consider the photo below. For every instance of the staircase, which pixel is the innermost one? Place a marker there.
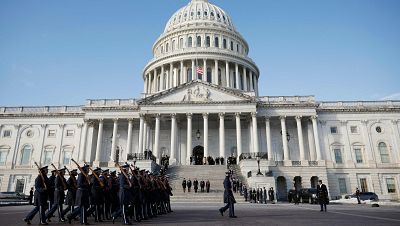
(214, 173)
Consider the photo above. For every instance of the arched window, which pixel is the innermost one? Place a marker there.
(3, 154)
(237, 47)
(224, 44)
(383, 151)
(189, 74)
(208, 41)
(190, 42)
(167, 47)
(231, 45)
(173, 45)
(162, 49)
(198, 44)
(180, 43)
(216, 40)
(26, 155)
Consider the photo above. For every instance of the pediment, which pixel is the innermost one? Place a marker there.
(197, 92)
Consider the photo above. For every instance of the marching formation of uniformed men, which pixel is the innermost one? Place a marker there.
(132, 194)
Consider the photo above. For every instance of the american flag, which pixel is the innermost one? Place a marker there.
(199, 70)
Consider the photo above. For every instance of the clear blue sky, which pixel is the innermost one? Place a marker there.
(55, 52)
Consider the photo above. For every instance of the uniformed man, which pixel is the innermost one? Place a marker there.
(184, 185)
(322, 194)
(51, 188)
(271, 195)
(124, 195)
(208, 186)
(202, 184)
(358, 195)
(265, 195)
(229, 199)
(97, 199)
(114, 189)
(60, 185)
(195, 185)
(82, 197)
(41, 197)
(189, 184)
(106, 194)
(71, 193)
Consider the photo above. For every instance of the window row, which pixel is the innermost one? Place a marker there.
(363, 184)
(47, 156)
(197, 41)
(30, 133)
(211, 15)
(353, 129)
(358, 154)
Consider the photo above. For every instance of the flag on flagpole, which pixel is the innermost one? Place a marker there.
(199, 70)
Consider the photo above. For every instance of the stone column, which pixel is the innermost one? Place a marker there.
(222, 135)
(238, 136)
(145, 133)
(227, 74)
(82, 153)
(140, 141)
(269, 142)
(173, 137)
(129, 138)
(162, 78)
(99, 140)
(205, 70)
(244, 79)
(114, 140)
(367, 142)
(251, 81)
(194, 77)
(237, 76)
(301, 141)
(156, 89)
(216, 73)
(181, 74)
(170, 75)
(189, 137)
(157, 139)
(205, 122)
(145, 85)
(316, 137)
(255, 132)
(286, 156)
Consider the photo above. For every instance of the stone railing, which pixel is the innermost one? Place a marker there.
(296, 163)
(253, 155)
(288, 99)
(359, 104)
(41, 110)
(313, 163)
(111, 102)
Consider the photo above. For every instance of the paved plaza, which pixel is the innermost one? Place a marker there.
(248, 214)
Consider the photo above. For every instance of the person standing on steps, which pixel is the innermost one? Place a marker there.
(189, 184)
(202, 184)
(208, 186)
(184, 185)
(195, 185)
(229, 199)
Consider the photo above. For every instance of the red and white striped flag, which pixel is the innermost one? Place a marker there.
(199, 70)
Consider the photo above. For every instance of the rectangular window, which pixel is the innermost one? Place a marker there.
(19, 187)
(364, 185)
(391, 185)
(67, 157)
(51, 133)
(358, 153)
(342, 186)
(48, 156)
(338, 156)
(70, 133)
(333, 130)
(3, 158)
(26, 156)
(7, 133)
(353, 129)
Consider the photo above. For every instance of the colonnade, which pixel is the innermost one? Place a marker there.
(223, 73)
(145, 135)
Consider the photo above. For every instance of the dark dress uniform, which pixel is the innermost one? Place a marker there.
(322, 193)
(97, 197)
(41, 197)
(184, 185)
(208, 186)
(271, 195)
(195, 185)
(51, 188)
(229, 199)
(202, 184)
(82, 198)
(125, 198)
(71, 193)
(189, 185)
(59, 197)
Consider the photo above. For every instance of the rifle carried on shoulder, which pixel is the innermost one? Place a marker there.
(59, 175)
(80, 169)
(124, 173)
(41, 175)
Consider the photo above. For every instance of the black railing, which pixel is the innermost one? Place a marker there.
(253, 155)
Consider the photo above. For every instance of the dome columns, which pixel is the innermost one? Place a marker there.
(223, 73)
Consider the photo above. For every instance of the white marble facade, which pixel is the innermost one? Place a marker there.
(346, 144)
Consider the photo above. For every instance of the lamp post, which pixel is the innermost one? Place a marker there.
(258, 162)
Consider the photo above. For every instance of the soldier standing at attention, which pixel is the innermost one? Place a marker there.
(358, 195)
(229, 199)
(208, 186)
(271, 195)
(189, 184)
(41, 183)
(202, 184)
(322, 193)
(195, 185)
(184, 185)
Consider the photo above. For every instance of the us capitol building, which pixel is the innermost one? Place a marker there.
(201, 98)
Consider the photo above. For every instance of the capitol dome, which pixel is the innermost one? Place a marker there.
(200, 42)
(199, 11)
